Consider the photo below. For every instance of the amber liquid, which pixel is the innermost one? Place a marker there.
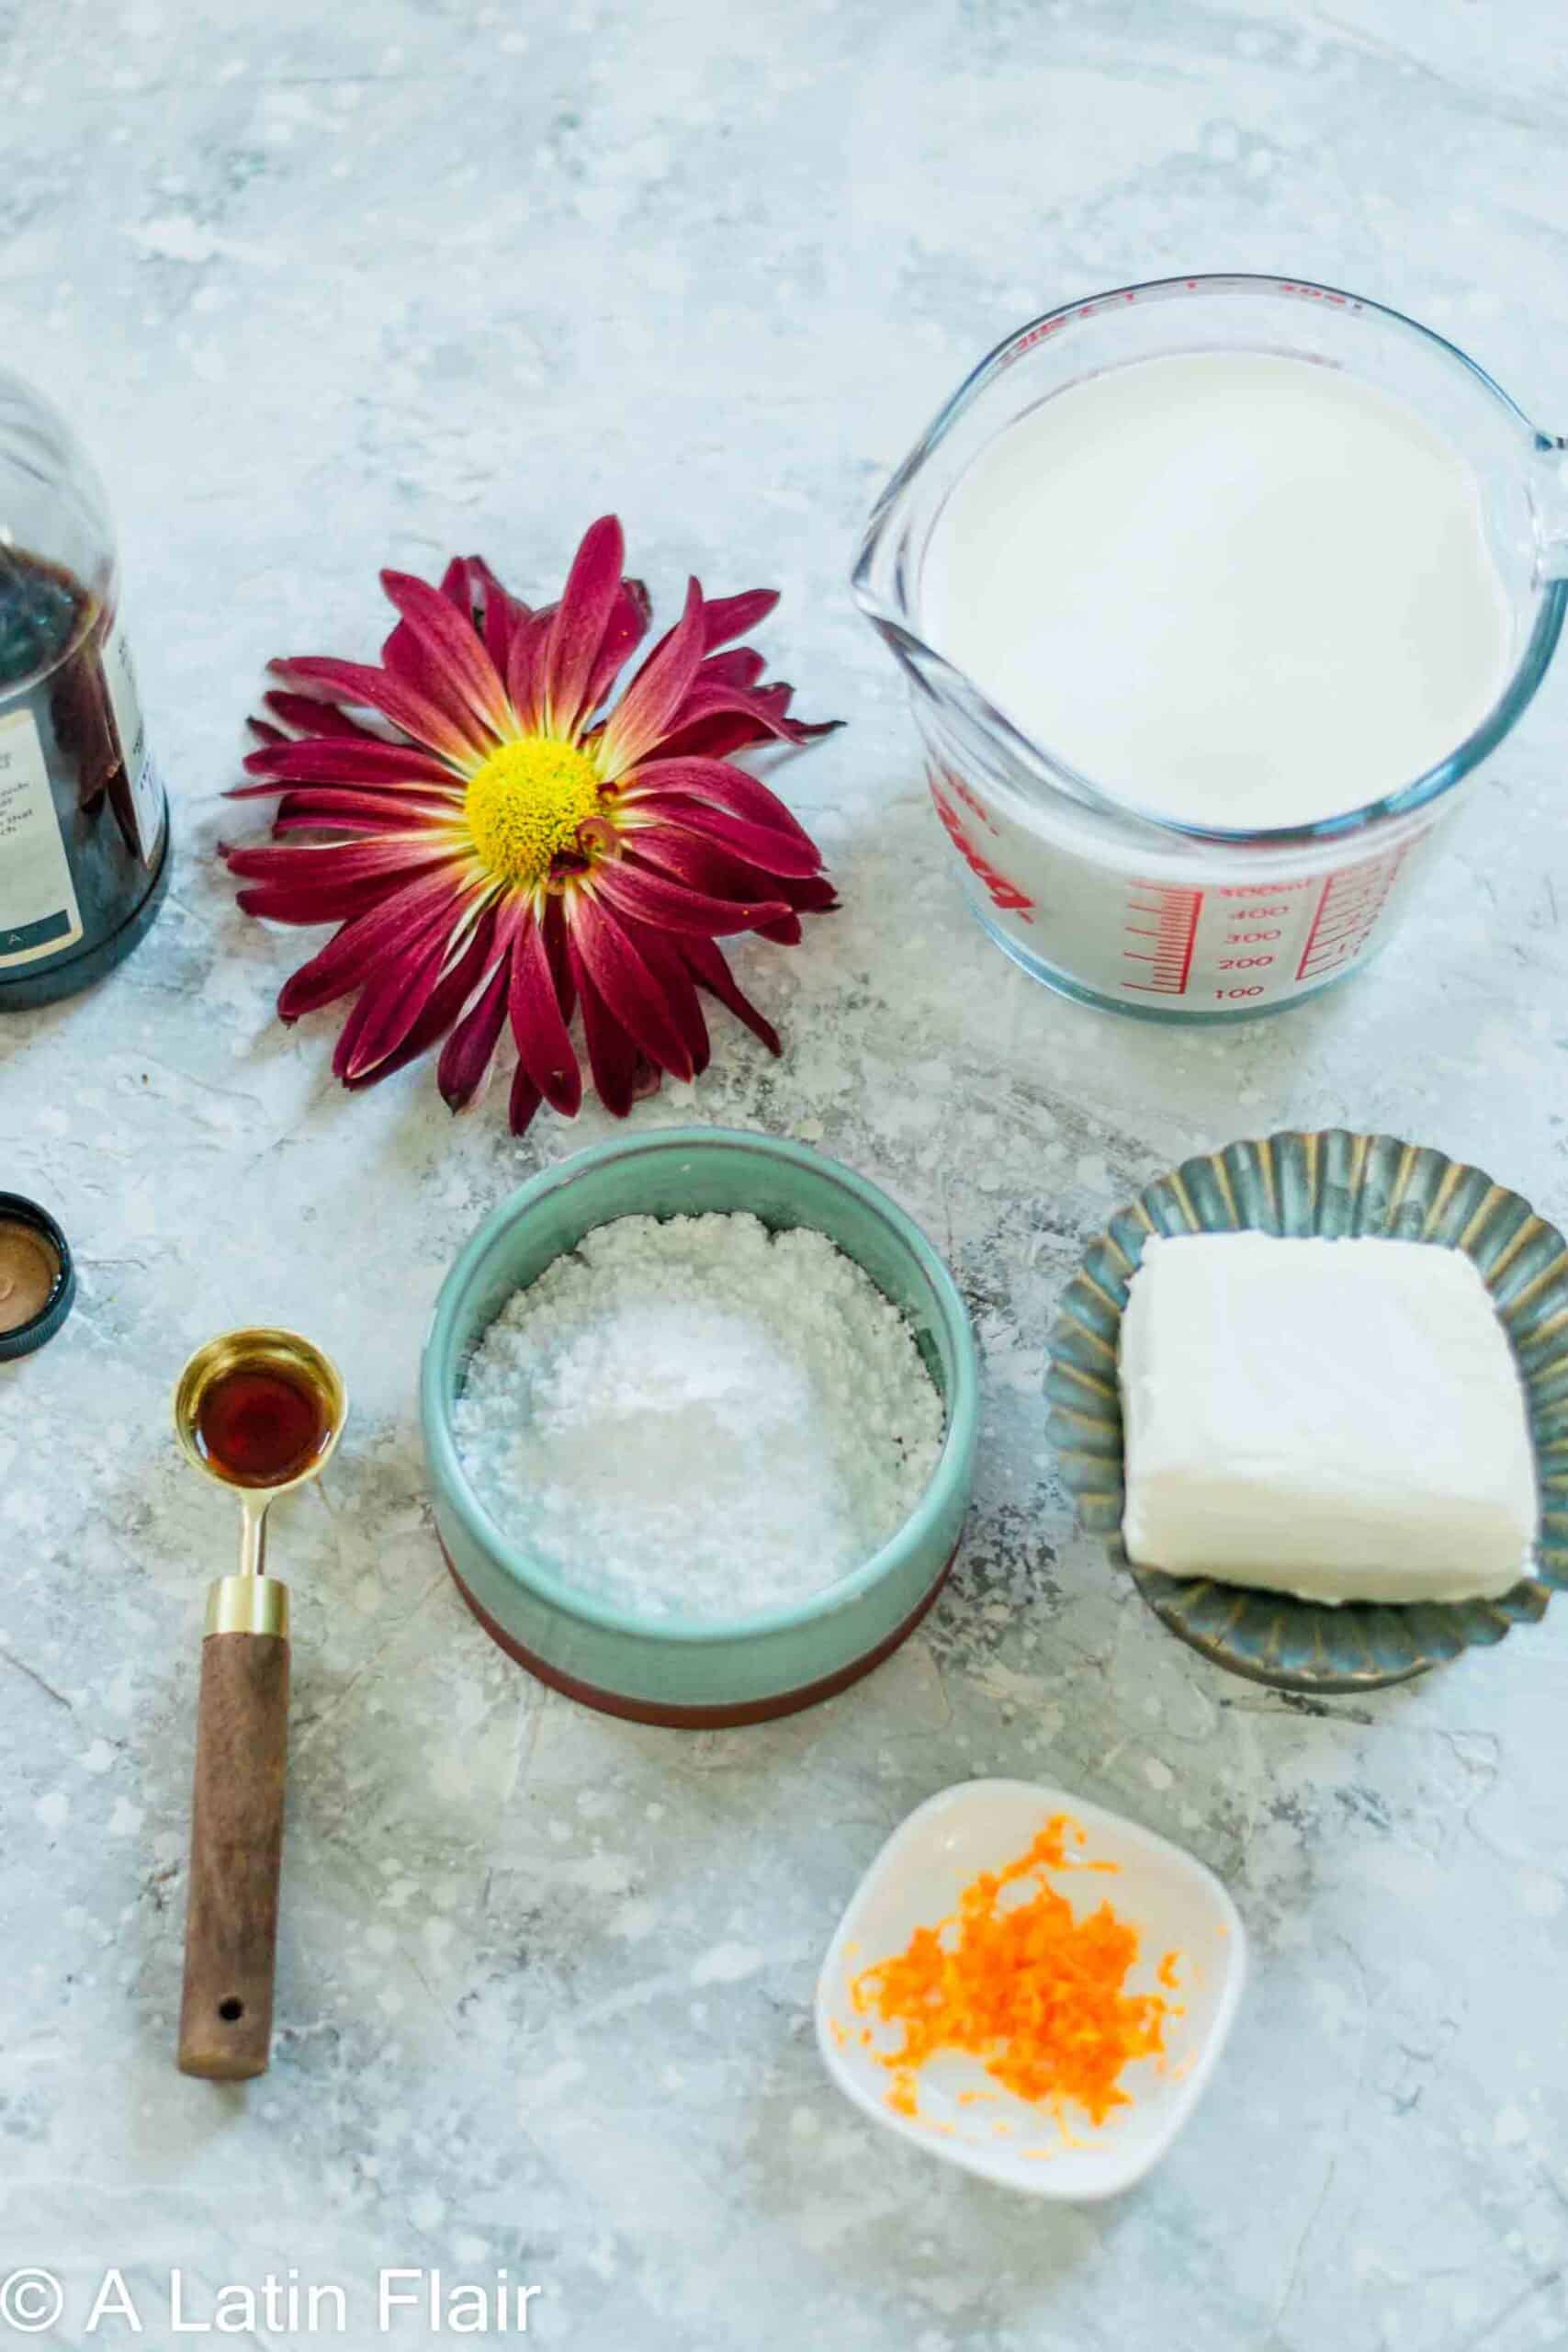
(260, 1427)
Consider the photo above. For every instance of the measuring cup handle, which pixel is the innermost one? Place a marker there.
(236, 1852)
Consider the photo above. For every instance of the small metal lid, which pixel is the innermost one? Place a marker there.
(22, 1339)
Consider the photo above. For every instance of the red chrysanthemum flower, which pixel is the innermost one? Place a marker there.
(496, 845)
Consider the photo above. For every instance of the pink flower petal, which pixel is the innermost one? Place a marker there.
(543, 1043)
(326, 809)
(524, 1101)
(336, 862)
(526, 668)
(445, 1002)
(611, 1055)
(779, 696)
(723, 784)
(427, 1031)
(308, 715)
(472, 588)
(455, 587)
(710, 698)
(269, 902)
(724, 618)
(700, 864)
(560, 962)
(706, 864)
(660, 951)
(446, 728)
(627, 627)
(648, 897)
(389, 1006)
(389, 932)
(454, 654)
(336, 760)
(292, 824)
(464, 1068)
(577, 632)
(710, 971)
(768, 846)
(501, 613)
(728, 616)
(815, 895)
(407, 659)
(713, 739)
(629, 988)
(664, 681)
(743, 667)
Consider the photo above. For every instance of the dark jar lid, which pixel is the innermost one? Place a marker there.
(37, 1280)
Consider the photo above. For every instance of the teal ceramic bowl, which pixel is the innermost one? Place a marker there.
(1333, 1183)
(700, 1672)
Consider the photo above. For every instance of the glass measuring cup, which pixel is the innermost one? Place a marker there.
(1115, 905)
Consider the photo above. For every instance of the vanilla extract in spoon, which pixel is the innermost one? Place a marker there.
(260, 1426)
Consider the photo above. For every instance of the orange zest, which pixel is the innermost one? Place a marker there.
(1036, 1994)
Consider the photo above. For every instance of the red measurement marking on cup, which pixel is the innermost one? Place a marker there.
(972, 801)
(1003, 893)
(1347, 908)
(1165, 922)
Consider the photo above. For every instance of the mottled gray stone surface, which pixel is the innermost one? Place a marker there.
(329, 288)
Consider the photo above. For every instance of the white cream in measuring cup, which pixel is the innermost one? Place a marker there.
(1210, 592)
(1236, 588)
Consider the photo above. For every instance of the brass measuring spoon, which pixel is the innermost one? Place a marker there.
(262, 1411)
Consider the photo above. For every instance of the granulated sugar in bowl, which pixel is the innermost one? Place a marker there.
(700, 1417)
(700, 1409)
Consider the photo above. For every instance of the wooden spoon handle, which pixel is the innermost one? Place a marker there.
(236, 1852)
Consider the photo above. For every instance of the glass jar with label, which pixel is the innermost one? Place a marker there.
(84, 819)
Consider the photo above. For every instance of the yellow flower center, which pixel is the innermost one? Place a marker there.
(525, 806)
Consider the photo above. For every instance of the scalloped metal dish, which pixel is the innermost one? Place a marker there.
(1333, 1183)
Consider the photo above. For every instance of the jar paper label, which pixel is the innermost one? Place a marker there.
(147, 796)
(38, 914)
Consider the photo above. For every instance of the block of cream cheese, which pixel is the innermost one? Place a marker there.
(1338, 1420)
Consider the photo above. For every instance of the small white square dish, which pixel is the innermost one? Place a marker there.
(1174, 1902)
